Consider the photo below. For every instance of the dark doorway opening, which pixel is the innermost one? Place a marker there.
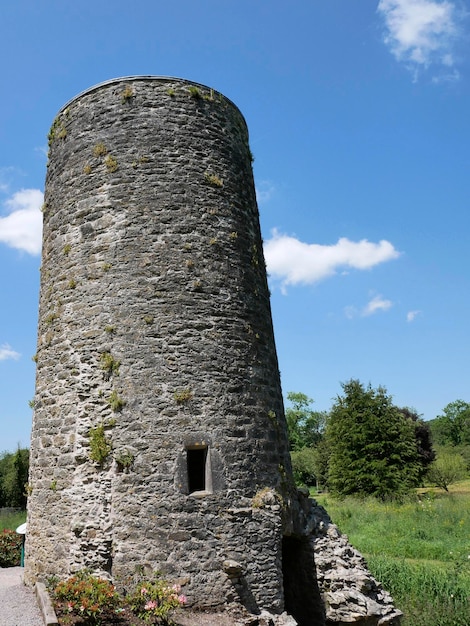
(301, 594)
(196, 462)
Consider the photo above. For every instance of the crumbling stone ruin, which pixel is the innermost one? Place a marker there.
(159, 439)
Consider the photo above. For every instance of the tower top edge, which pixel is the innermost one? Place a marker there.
(148, 78)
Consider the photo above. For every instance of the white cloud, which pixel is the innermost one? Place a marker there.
(411, 315)
(376, 304)
(7, 353)
(421, 32)
(22, 228)
(293, 262)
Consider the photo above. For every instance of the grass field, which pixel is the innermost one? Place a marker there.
(11, 521)
(419, 550)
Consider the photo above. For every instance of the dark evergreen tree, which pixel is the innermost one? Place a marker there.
(426, 453)
(372, 445)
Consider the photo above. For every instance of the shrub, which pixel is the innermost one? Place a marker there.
(10, 548)
(86, 596)
(155, 599)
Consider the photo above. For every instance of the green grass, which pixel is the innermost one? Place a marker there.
(418, 549)
(11, 521)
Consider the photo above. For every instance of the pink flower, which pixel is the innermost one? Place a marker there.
(151, 604)
(143, 591)
(70, 607)
(176, 588)
(182, 599)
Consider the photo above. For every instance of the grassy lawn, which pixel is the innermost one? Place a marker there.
(11, 521)
(419, 550)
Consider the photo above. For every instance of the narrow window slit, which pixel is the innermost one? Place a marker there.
(196, 464)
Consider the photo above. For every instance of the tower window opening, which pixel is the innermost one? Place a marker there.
(197, 469)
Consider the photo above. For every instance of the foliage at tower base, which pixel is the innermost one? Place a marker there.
(372, 445)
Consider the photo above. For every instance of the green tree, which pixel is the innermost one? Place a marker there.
(303, 466)
(423, 439)
(305, 427)
(448, 468)
(372, 445)
(453, 427)
(14, 469)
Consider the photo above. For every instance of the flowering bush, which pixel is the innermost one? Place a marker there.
(86, 596)
(153, 601)
(10, 548)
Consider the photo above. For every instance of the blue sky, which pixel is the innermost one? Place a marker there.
(359, 123)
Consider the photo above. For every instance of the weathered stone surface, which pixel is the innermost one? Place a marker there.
(159, 439)
(351, 595)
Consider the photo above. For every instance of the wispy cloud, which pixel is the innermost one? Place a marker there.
(421, 33)
(411, 315)
(294, 262)
(264, 191)
(7, 353)
(375, 305)
(22, 227)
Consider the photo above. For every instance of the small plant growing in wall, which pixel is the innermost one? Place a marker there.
(100, 447)
(148, 319)
(124, 459)
(127, 94)
(183, 396)
(111, 163)
(87, 168)
(195, 92)
(72, 283)
(210, 96)
(109, 365)
(265, 497)
(57, 131)
(171, 92)
(100, 150)
(213, 180)
(66, 249)
(50, 319)
(116, 402)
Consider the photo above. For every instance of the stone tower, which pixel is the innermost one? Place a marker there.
(159, 439)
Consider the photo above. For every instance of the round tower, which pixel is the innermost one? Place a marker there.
(159, 439)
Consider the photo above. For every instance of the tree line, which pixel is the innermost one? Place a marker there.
(365, 445)
(14, 468)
